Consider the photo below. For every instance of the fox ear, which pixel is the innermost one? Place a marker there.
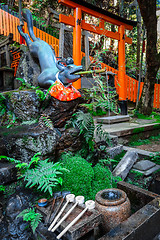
(60, 66)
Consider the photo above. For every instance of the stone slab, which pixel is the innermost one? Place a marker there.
(144, 165)
(127, 128)
(8, 173)
(149, 171)
(139, 151)
(113, 151)
(124, 166)
(113, 119)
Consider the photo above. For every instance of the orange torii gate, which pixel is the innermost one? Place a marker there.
(77, 23)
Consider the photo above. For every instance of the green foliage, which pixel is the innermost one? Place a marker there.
(23, 167)
(42, 96)
(149, 140)
(79, 176)
(2, 105)
(154, 116)
(83, 179)
(101, 133)
(90, 149)
(29, 215)
(45, 176)
(26, 84)
(8, 117)
(2, 188)
(138, 130)
(117, 159)
(84, 122)
(40, 173)
(155, 158)
(137, 175)
(44, 120)
(103, 98)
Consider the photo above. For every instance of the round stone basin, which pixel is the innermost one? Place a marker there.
(114, 206)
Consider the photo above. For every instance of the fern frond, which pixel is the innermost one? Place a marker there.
(29, 215)
(45, 176)
(44, 120)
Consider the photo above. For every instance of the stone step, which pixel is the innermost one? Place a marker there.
(113, 119)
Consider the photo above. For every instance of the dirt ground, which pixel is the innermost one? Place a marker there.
(154, 146)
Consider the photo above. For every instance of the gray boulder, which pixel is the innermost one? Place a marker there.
(25, 141)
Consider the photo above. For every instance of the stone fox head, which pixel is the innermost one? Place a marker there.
(50, 67)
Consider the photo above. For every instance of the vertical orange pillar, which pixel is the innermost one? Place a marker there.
(77, 42)
(121, 71)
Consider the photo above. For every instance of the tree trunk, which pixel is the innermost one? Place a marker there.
(148, 12)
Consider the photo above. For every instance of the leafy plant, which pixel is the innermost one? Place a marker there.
(102, 134)
(82, 178)
(45, 176)
(79, 176)
(2, 188)
(103, 98)
(155, 158)
(140, 142)
(23, 167)
(26, 84)
(2, 105)
(40, 173)
(29, 215)
(42, 96)
(45, 120)
(85, 124)
(90, 150)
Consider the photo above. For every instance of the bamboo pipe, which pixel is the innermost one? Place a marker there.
(91, 71)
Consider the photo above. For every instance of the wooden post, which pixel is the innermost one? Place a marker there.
(121, 70)
(77, 42)
(61, 40)
(8, 61)
(86, 43)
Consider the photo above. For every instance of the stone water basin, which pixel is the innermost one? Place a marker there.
(144, 223)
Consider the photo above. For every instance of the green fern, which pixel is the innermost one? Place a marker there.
(29, 215)
(85, 124)
(45, 120)
(42, 174)
(45, 176)
(102, 135)
(22, 167)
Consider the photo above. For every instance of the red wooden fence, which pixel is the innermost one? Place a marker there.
(132, 86)
(9, 23)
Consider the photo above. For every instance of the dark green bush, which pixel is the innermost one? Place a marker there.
(79, 176)
(82, 179)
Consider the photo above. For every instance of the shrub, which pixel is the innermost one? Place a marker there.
(80, 175)
(82, 179)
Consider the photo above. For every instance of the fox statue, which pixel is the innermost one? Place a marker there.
(51, 69)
